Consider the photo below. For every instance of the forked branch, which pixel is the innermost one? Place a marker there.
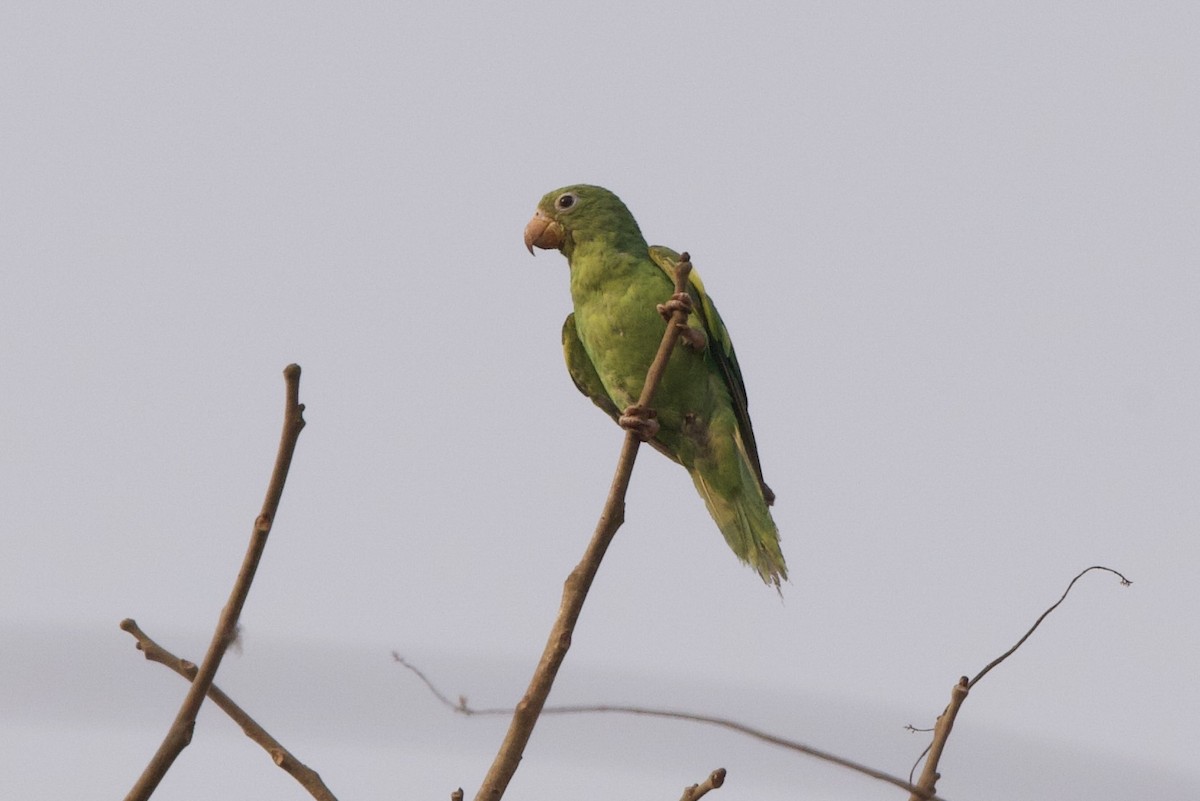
(180, 733)
(306, 776)
(945, 722)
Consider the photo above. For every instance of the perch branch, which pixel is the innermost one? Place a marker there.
(180, 733)
(306, 776)
(945, 722)
(463, 708)
(714, 780)
(576, 587)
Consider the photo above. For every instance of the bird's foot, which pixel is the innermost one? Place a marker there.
(680, 301)
(693, 338)
(640, 421)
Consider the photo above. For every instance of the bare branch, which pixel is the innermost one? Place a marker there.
(945, 721)
(306, 776)
(576, 587)
(463, 708)
(180, 733)
(714, 780)
(757, 734)
(941, 732)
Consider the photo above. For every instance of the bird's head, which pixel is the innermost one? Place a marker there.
(580, 213)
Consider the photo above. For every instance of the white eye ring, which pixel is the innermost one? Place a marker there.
(566, 201)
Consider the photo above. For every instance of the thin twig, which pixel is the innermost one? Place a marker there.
(180, 733)
(306, 776)
(576, 587)
(696, 791)
(463, 708)
(945, 721)
(1124, 583)
(757, 734)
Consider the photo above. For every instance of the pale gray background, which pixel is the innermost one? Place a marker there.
(957, 248)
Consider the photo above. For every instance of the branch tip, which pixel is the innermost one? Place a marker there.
(695, 791)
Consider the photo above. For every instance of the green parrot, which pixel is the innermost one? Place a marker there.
(701, 422)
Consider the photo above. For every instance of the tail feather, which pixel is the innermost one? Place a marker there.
(742, 516)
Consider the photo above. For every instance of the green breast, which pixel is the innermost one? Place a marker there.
(615, 299)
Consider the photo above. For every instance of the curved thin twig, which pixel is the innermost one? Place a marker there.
(1124, 583)
(576, 587)
(180, 733)
(308, 778)
(463, 708)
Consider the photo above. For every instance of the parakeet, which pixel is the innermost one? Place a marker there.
(617, 281)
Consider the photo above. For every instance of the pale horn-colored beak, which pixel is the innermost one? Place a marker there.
(543, 232)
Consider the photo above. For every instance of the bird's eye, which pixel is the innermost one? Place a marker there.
(566, 201)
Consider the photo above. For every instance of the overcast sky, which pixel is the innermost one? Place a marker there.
(957, 249)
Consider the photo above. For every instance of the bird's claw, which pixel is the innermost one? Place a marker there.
(640, 421)
(680, 301)
(693, 338)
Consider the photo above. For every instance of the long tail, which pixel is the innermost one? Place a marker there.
(734, 498)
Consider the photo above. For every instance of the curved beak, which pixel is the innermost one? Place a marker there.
(543, 232)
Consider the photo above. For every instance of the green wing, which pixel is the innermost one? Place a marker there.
(583, 372)
(587, 380)
(720, 347)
